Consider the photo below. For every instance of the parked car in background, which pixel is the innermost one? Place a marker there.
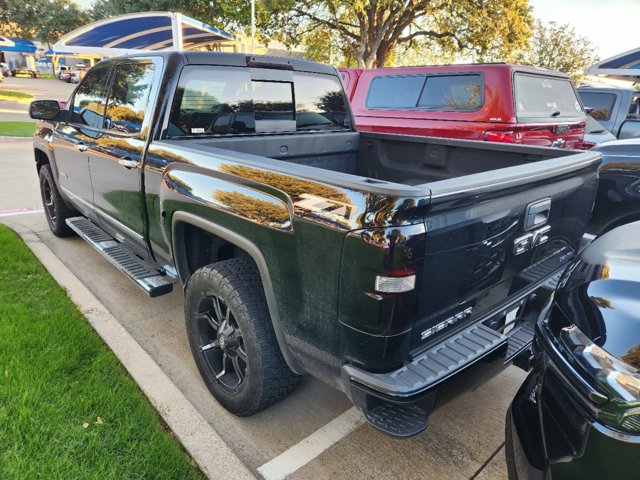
(618, 198)
(616, 109)
(4, 69)
(62, 68)
(65, 75)
(77, 75)
(490, 102)
(596, 134)
(577, 415)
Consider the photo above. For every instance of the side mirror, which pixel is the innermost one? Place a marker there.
(44, 109)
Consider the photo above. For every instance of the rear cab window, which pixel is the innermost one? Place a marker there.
(545, 99)
(445, 93)
(228, 100)
(601, 104)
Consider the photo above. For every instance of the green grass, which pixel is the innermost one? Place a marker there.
(17, 129)
(68, 409)
(14, 96)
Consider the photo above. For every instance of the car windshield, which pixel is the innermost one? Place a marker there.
(545, 98)
(229, 100)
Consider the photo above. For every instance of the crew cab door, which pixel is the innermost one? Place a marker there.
(73, 139)
(116, 160)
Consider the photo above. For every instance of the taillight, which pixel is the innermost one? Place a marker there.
(587, 145)
(397, 281)
(502, 136)
(620, 380)
(379, 277)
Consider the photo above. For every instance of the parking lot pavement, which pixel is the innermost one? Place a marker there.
(316, 428)
(40, 88)
(49, 88)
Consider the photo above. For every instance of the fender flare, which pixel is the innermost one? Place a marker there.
(252, 250)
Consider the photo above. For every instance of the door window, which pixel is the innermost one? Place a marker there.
(129, 97)
(395, 92)
(444, 93)
(89, 100)
(452, 93)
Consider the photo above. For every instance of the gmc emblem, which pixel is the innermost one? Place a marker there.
(531, 240)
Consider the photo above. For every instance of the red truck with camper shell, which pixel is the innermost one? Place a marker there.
(491, 102)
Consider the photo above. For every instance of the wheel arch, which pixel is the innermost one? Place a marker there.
(181, 219)
(41, 158)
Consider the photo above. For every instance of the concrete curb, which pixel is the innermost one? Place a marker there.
(200, 440)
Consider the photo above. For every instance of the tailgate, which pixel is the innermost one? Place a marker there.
(565, 135)
(493, 236)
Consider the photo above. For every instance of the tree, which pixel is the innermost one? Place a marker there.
(45, 20)
(558, 47)
(58, 17)
(368, 31)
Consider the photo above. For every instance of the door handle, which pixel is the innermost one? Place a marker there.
(128, 162)
(81, 146)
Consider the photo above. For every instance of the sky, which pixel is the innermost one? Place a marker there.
(612, 25)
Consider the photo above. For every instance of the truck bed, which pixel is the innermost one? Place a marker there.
(386, 159)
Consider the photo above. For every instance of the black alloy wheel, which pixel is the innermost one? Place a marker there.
(232, 338)
(55, 209)
(220, 342)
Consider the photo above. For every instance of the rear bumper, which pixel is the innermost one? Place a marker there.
(460, 364)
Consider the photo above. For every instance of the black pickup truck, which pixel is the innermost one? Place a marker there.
(397, 269)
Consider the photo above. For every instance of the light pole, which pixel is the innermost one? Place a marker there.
(253, 24)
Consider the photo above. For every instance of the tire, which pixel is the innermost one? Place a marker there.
(55, 209)
(230, 331)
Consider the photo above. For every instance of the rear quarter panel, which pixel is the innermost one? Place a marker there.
(297, 224)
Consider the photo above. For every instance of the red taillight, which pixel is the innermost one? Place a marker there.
(502, 136)
(587, 145)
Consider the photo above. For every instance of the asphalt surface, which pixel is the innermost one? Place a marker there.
(464, 440)
(40, 88)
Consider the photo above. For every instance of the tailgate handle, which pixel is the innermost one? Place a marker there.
(537, 213)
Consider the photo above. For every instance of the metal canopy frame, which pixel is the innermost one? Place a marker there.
(625, 66)
(139, 33)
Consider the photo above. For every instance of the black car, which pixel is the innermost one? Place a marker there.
(618, 199)
(577, 416)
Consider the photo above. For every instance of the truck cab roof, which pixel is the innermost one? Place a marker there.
(237, 60)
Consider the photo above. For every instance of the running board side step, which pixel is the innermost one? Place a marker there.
(153, 281)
